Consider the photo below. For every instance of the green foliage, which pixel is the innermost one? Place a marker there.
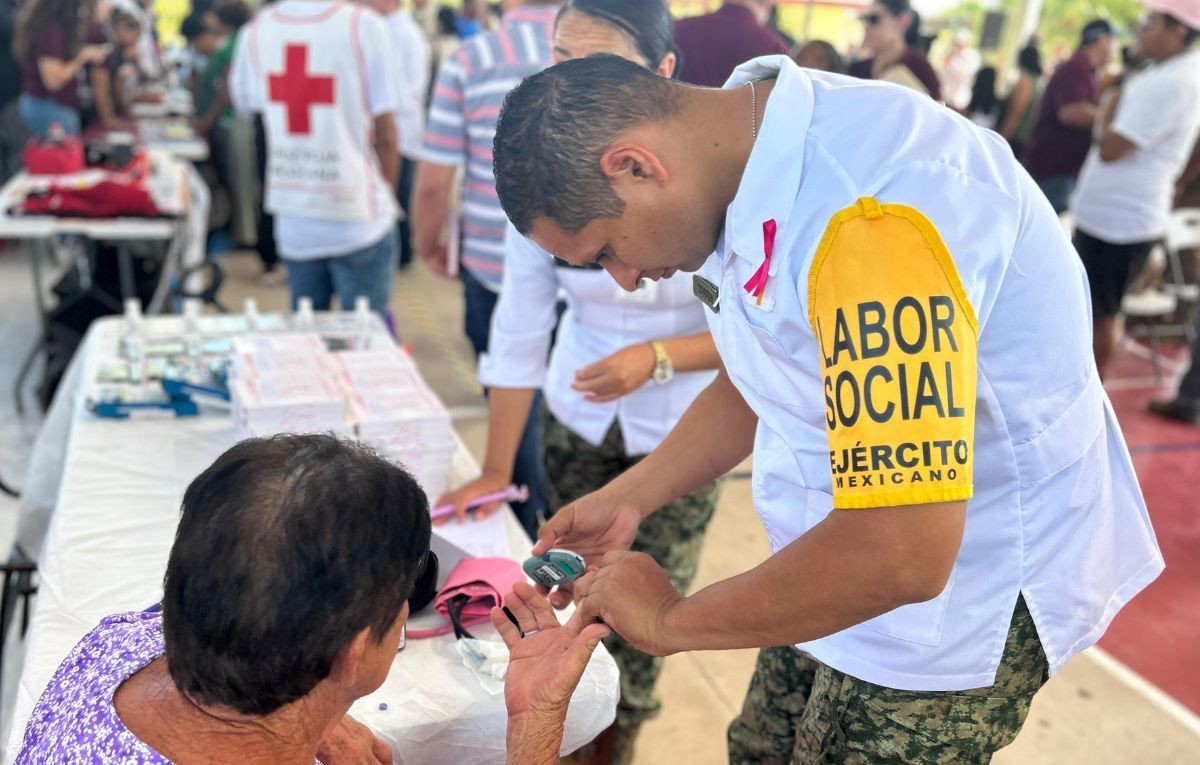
(1061, 20)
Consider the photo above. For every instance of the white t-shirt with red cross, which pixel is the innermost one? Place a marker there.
(320, 71)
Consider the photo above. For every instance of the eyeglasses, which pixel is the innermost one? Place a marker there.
(871, 19)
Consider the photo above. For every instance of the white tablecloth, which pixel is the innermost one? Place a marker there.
(111, 517)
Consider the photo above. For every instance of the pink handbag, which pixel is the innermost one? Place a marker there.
(473, 589)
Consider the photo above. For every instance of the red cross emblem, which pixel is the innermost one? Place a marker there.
(297, 91)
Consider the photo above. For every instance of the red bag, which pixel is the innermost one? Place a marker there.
(66, 156)
(106, 199)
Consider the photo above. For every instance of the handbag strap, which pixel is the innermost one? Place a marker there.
(454, 609)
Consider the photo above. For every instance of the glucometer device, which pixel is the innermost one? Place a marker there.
(555, 568)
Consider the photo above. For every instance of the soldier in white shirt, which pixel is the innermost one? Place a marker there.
(1143, 141)
(624, 367)
(904, 330)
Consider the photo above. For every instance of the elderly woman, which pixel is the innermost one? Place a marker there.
(284, 601)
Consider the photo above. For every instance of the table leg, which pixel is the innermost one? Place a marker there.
(125, 265)
(37, 251)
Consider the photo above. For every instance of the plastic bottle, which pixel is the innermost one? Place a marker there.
(133, 343)
(250, 311)
(304, 314)
(362, 323)
(193, 340)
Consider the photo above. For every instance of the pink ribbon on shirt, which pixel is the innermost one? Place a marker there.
(758, 283)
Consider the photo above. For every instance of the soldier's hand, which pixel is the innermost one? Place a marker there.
(591, 526)
(632, 595)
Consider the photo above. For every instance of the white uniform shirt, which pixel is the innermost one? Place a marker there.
(413, 58)
(986, 392)
(601, 319)
(365, 55)
(1130, 200)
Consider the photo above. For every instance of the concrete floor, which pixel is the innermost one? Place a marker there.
(1089, 714)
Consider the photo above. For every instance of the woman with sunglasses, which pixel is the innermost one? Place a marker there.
(893, 36)
(624, 367)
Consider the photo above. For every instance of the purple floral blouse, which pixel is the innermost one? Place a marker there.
(75, 720)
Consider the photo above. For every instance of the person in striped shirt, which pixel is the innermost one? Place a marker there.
(470, 90)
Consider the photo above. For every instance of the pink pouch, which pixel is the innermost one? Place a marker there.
(473, 589)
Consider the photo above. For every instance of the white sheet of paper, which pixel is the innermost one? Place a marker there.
(487, 538)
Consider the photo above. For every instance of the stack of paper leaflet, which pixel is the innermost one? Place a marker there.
(290, 383)
(285, 383)
(395, 413)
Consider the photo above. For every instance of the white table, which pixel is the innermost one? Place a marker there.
(177, 190)
(114, 511)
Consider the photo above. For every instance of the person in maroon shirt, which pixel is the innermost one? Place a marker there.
(50, 47)
(712, 46)
(892, 35)
(1062, 134)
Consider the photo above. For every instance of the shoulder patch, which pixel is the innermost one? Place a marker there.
(899, 345)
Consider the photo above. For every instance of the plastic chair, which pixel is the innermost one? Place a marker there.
(1183, 233)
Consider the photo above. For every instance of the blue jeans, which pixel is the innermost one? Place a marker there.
(40, 113)
(368, 272)
(529, 468)
(1058, 190)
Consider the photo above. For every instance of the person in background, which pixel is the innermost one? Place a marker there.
(215, 118)
(49, 44)
(984, 107)
(230, 17)
(149, 53)
(1144, 137)
(710, 46)
(223, 672)
(820, 55)
(1021, 108)
(959, 70)
(623, 368)
(13, 133)
(124, 66)
(893, 37)
(466, 102)
(413, 55)
(1062, 133)
(202, 44)
(472, 19)
(96, 86)
(330, 129)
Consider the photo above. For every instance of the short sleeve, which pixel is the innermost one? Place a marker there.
(381, 68)
(524, 319)
(1147, 111)
(898, 342)
(51, 43)
(1072, 86)
(445, 129)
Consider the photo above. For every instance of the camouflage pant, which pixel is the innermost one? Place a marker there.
(799, 711)
(672, 536)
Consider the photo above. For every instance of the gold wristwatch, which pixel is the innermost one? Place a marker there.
(664, 370)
